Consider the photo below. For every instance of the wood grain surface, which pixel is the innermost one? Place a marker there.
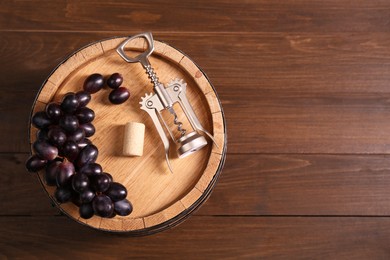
(305, 90)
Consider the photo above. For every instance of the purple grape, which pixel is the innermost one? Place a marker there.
(91, 169)
(40, 120)
(65, 173)
(34, 163)
(77, 135)
(70, 150)
(87, 196)
(76, 198)
(83, 143)
(42, 134)
(85, 115)
(94, 83)
(69, 123)
(86, 211)
(115, 80)
(123, 207)
(119, 95)
(110, 177)
(80, 182)
(53, 111)
(61, 152)
(101, 182)
(103, 206)
(89, 129)
(83, 97)
(56, 136)
(113, 215)
(70, 103)
(87, 155)
(116, 192)
(63, 194)
(45, 151)
(51, 173)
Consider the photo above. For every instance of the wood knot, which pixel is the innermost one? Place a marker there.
(198, 74)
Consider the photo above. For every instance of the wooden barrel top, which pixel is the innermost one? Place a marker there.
(160, 199)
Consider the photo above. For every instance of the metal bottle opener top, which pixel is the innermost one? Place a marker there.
(165, 98)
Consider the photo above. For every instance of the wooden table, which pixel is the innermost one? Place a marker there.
(305, 89)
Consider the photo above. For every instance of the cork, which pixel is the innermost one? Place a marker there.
(133, 143)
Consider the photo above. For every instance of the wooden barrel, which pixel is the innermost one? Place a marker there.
(160, 199)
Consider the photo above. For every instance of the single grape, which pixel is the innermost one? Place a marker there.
(80, 182)
(57, 136)
(116, 192)
(42, 134)
(83, 97)
(40, 120)
(69, 123)
(102, 206)
(94, 83)
(123, 207)
(70, 103)
(113, 215)
(87, 155)
(85, 115)
(45, 150)
(77, 135)
(53, 111)
(100, 183)
(76, 198)
(115, 80)
(83, 143)
(63, 194)
(91, 169)
(51, 173)
(34, 163)
(65, 173)
(89, 129)
(86, 211)
(70, 150)
(61, 152)
(119, 95)
(87, 196)
(110, 177)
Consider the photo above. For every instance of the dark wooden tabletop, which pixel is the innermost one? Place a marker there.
(305, 86)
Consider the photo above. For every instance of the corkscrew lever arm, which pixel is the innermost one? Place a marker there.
(152, 106)
(177, 90)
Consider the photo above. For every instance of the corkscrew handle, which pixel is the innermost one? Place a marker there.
(143, 59)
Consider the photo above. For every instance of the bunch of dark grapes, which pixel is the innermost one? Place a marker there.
(68, 157)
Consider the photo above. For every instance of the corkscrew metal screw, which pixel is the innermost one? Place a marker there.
(165, 98)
